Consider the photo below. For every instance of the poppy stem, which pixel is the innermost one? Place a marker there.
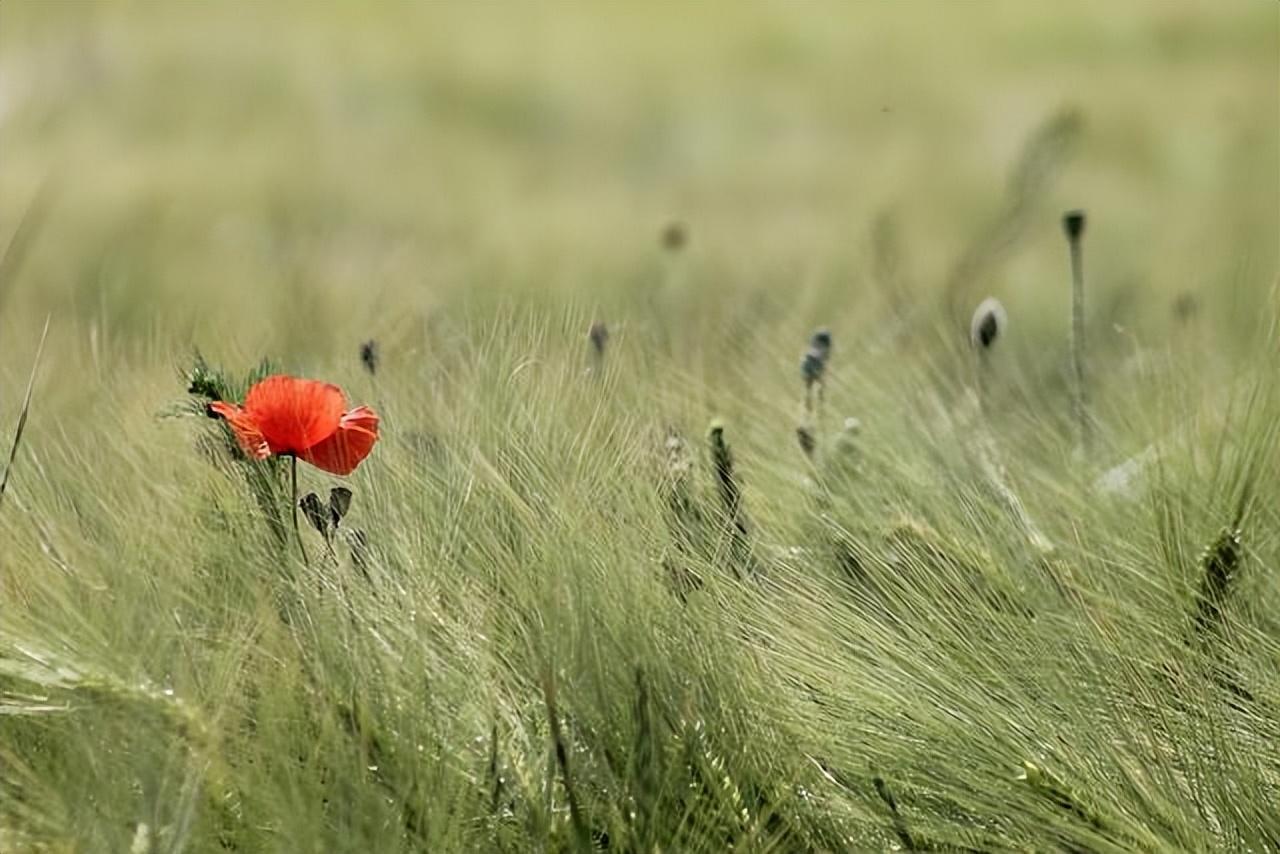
(297, 531)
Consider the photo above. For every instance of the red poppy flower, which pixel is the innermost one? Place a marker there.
(304, 419)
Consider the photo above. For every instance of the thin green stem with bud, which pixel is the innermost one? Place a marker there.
(1073, 223)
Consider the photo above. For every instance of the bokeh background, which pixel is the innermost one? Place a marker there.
(956, 588)
(291, 179)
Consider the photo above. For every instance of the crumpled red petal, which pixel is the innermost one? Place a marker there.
(245, 428)
(295, 414)
(348, 446)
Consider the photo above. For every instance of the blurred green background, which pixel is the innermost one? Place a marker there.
(289, 179)
(472, 185)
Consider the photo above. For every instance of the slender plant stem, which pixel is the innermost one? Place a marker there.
(1074, 225)
(297, 531)
(1077, 340)
(26, 407)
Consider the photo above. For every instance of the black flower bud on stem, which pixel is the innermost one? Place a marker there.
(598, 335)
(369, 356)
(814, 363)
(1073, 224)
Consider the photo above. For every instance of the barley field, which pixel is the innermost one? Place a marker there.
(800, 427)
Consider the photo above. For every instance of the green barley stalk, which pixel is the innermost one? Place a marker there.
(1220, 564)
(561, 747)
(730, 496)
(647, 760)
(263, 477)
(899, 825)
(1056, 792)
(494, 770)
(685, 519)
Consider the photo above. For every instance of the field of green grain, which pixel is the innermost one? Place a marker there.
(648, 589)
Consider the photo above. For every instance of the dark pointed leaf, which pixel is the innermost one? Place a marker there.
(339, 503)
(315, 512)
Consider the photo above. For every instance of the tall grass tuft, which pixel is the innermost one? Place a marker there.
(1219, 570)
(730, 492)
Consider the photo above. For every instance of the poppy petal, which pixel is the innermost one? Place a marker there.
(294, 414)
(349, 445)
(246, 431)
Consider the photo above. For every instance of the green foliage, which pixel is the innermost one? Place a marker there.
(553, 611)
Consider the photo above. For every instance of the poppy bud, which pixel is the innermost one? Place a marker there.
(674, 237)
(806, 439)
(821, 341)
(369, 356)
(814, 363)
(988, 322)
(1186, 306)
(1073, 224)
(598, 334)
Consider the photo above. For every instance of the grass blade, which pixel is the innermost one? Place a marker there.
(26, 408)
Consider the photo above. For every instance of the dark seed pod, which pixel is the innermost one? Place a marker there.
(674, 236)
(598, 335)
(1186, 306)
(339, 503)
(989, 321)
(806, 439)
(1073, 224)
(814, 363)
(369, 356)
(821, 343)
(812, 367)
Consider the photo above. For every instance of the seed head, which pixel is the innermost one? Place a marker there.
(1073, 224)
(989, 321)
(674, 236)
(369, 356)
(814, 363)
(1185, 306)
(808, 442)
(598, 334)
(678, 462)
